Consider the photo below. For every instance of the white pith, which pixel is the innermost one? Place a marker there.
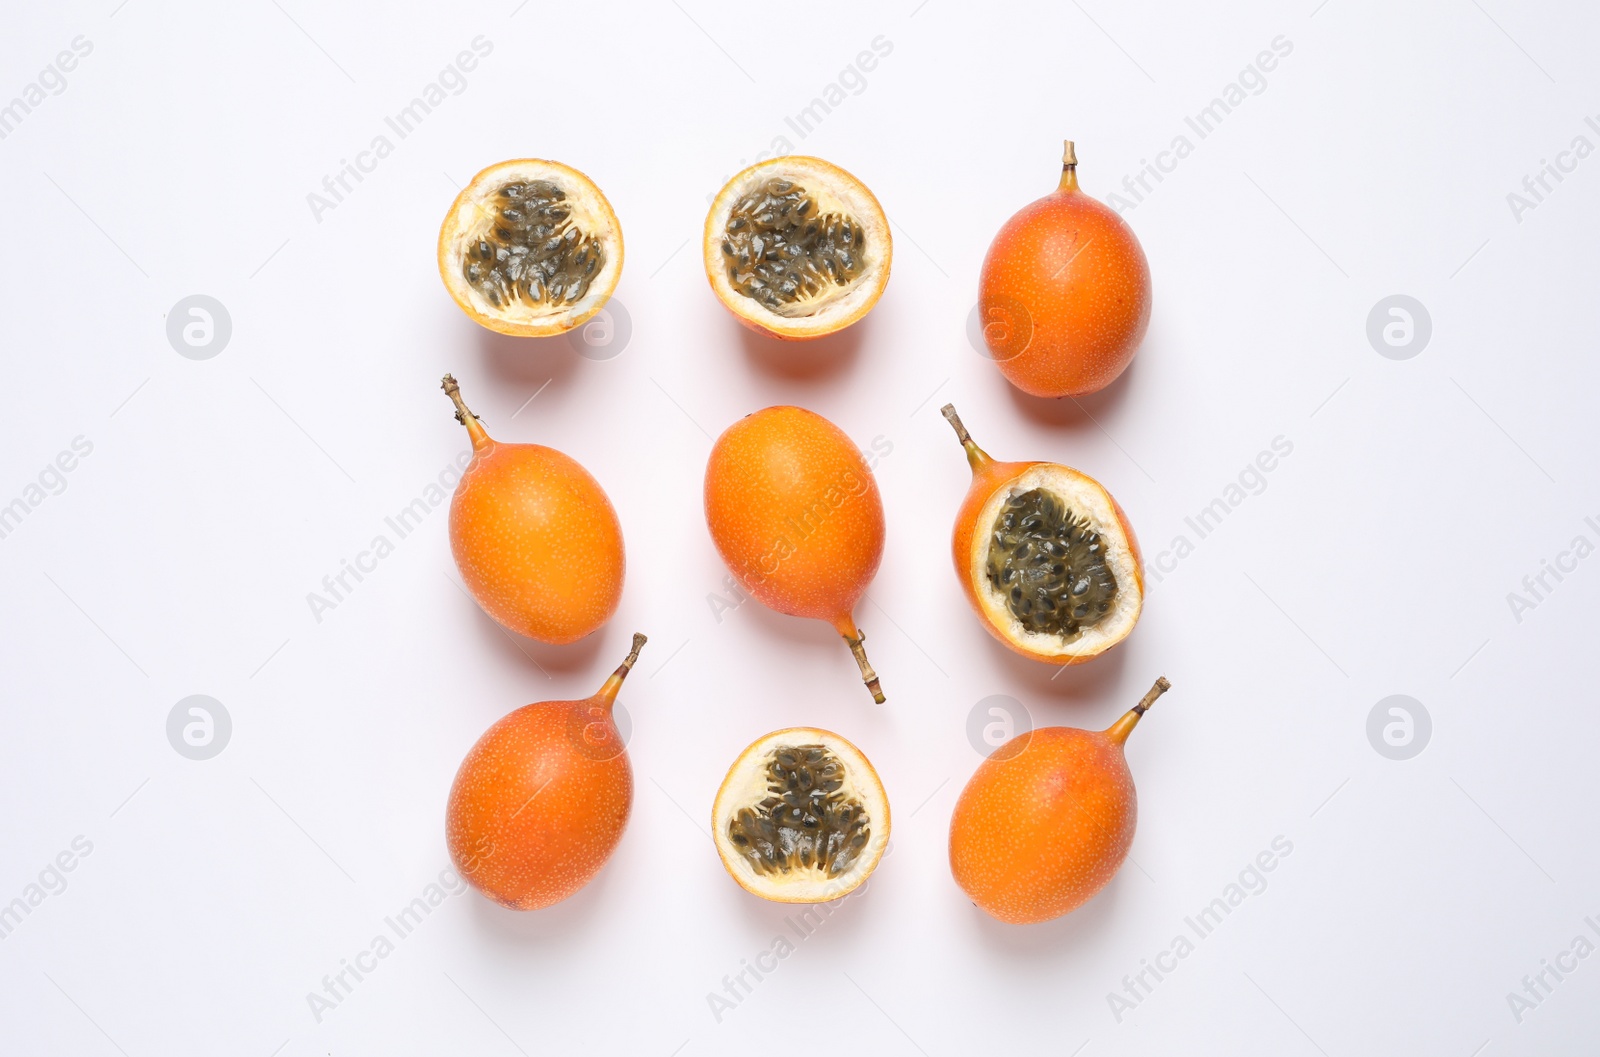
(1086, 499)
(832, 191)
(474, 216)
(746, 786)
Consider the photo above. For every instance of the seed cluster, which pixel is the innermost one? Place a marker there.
(780, 252)
(805, 823)
(1050, 565)
(533, 252)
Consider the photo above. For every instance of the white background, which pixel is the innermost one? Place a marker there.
(1377, 561)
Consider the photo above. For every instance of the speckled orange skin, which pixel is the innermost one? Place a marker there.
(1044, 823)
(541, 801)
(536, 539)
(1082, 284)
(989, 476)
(795, 514)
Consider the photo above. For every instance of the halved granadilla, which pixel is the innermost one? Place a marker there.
(1046, 557)
(530, 248)
(801, 817)
(797, 248)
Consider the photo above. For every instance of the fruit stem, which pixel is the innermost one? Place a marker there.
(859, 650)
(1123, 727)
(614, 682)
(464, 415)
(1161, 686)
(1069, 167)
(976, 456)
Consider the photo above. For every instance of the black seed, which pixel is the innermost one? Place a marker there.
(789, 255)
(539, 257)
(805, 813)
(1039, 544)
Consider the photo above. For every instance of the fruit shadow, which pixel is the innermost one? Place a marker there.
(554, 927)
(813, 643)
(526, 362)
(802, 361)
(801, 921)
(1073, 412)
(1087, 682)
(547, 661)
(1055, 941)
(800, 633)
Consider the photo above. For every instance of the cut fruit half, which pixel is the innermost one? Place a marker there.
(1046, 556)
(1055, 569)
(797, 248)
(530, 248)
(801, 817)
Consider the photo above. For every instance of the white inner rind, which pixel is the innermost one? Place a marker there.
(477, 216)
(1086, 499)
(831, 193)
(746, 786)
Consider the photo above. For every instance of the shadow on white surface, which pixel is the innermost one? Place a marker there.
(814, 360)
(1089, 682)
(569, 922)
(1069, 938)
(542, 660)
(525, 360)
(801, 633)
(1076, 413)
(588, 654)
(764, 918)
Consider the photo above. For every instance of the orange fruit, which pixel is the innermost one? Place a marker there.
(531, 248)
(795, 513)
(542, 798)
(1064, 294)
(797, 248)
(801, 817)
(1046, 557)
(1047, 819)
(536, 539)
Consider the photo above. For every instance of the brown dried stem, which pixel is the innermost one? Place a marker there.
(1161, 686)
(949, 412)
(859, 650)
